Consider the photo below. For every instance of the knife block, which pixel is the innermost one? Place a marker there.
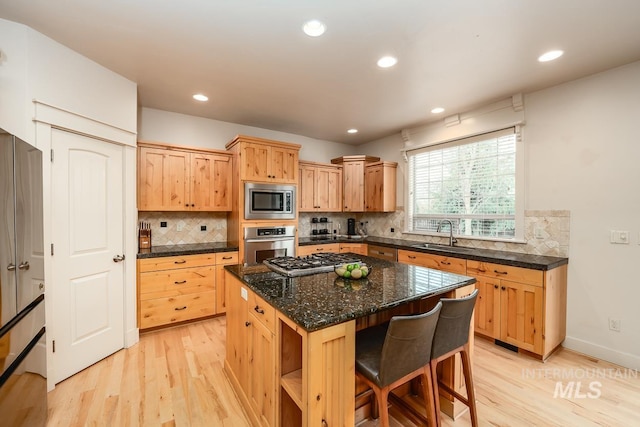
(144, 239)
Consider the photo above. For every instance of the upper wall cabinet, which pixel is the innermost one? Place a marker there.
(261, 160)
(380, 187)
(353, 181)
(177, 179)
(320, 187)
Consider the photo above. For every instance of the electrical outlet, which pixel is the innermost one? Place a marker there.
(244, 294)
(163, 224)
(203, 228)
(393, 230)
(180, 226)
(614, 324)
(539, 233)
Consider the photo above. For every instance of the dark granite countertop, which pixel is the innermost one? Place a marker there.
(187, 249)
(515, 259)
(321, 300)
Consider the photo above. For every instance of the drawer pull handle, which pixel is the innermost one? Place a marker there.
(258, 309)
(180, 262)
(445, 262)
(180, 283)
(180, 308)
(500, 272)
(227, 257)
(247, 324)
(411, 257)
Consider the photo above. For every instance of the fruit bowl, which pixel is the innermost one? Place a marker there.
(353, 271)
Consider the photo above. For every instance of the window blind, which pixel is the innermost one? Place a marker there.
(471, 182)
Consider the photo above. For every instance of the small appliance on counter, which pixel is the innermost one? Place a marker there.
(351, 227)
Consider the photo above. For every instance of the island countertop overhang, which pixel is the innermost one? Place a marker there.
(321, 300)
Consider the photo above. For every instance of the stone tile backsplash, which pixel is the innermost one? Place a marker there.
(552, 226)
(189, 224)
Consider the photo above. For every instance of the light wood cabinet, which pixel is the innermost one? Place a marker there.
(438, 262)
(320, 187)
(222, 259)
(265, 162)
(519, 306)
(176, 179)
(380, 187)
(353, 175)
(312, 249)
(356, 248)
(175, 289)
(180, 288)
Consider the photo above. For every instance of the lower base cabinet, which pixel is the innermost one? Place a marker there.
(284, 375)
(180, 288)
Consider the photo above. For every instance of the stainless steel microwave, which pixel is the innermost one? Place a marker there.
(269, 201)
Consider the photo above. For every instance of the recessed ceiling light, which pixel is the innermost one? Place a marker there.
(314, 28)
(550, 56)
(387, 61)
(437, 110)
(352, 131)
(200, 97)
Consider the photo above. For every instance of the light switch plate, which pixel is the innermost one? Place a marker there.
(619, 237)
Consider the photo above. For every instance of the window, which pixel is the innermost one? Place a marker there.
(473, 182)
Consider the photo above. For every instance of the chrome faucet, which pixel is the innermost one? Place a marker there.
(452, 240)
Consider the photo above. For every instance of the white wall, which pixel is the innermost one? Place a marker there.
(180, 129)
(582, 151)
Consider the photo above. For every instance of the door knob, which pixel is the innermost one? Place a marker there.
(118, 258)
(23, 265)
(11, 267)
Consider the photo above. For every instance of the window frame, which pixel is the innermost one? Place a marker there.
(519, 185)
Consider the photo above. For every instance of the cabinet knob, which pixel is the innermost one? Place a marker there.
(504, 289)
(495, 286)
(247, 324)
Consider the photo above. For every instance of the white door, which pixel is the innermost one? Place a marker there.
(88, 281)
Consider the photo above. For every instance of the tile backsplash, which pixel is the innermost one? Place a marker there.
(552, 227)
(189, 223)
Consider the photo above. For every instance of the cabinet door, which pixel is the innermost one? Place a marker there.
(487, 312)
(222, 259)
(262, 368)
(374, 179)
(283, 165)
(521, 315)
(163, 183)
(306, 189)
(237, 330)
(210, 182)
(254, 162)
(329, 189)
(353, 188)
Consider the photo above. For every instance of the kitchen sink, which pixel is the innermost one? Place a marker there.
(443, 248)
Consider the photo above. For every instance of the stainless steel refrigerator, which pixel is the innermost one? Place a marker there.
(23, 385)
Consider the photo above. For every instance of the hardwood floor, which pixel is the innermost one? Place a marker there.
(174, 377)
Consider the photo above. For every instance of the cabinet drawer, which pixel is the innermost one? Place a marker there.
(438, 262)
(166, 263)
(381, 252)
(262, 311)
(507, 272)
(356, 248)
(312, 249)
(168, 283)
(226, 258)
(163, 311)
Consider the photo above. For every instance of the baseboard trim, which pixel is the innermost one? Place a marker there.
(626, 360)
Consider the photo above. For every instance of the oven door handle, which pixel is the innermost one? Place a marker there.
(270, 239)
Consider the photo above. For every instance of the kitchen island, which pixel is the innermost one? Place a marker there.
(291, 340)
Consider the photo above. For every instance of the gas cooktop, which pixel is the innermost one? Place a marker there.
(312, 264)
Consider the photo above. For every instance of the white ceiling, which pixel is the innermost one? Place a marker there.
(259, 69)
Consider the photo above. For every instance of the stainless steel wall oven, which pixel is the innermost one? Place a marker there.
(265, 242)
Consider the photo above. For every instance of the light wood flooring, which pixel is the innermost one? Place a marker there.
(175, 377)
